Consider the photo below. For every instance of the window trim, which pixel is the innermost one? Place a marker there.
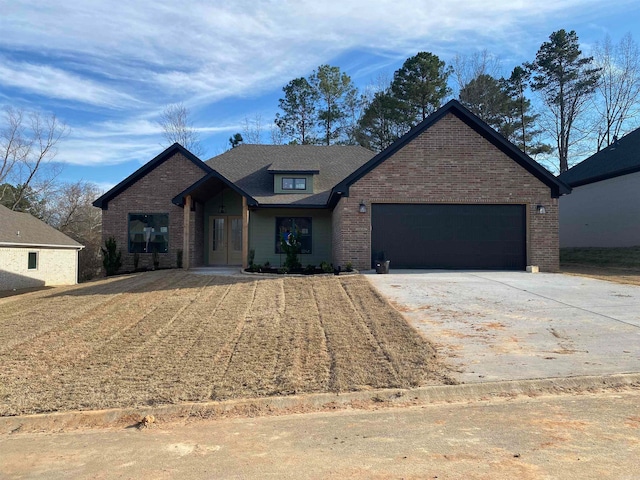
(294, 181)
(36, 257)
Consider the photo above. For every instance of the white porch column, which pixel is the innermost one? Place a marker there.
(245, 233)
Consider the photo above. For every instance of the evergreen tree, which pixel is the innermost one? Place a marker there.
(299, 111)
(566, 81)
(421, 83)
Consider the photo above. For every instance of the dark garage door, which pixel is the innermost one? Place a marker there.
(449, 236)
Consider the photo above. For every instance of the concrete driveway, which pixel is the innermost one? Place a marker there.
(493, 326)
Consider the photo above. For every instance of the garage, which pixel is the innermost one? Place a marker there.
(449, 236)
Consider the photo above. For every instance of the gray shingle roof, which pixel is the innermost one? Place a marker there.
(251, 168)
(615, 160)
(22, 229)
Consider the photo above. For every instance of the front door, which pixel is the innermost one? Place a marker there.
(225, 240)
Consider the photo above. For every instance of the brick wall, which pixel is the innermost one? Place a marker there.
(447, 163)
(152, 194)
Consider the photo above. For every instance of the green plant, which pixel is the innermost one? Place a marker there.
(326, 267)
(179, 258)
(136, 260)
(348, 267)
(155, 257)
(290, 245)
(310, 269)
(252, 257)
(112, 257)
(283, 270)
(267, 264)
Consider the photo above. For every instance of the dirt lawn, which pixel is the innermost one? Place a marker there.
(169, 336)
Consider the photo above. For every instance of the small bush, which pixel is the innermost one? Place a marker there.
(252, 257)
(348, 267)
(112, 257)
(326, 267)
(283, 270)
(310, 269)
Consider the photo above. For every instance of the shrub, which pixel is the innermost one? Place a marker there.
(348, 267)
(112, 257)
(326, 267)
(283, 270)
(179, 258)
(252, 257)
(310, 269)
(290, 245)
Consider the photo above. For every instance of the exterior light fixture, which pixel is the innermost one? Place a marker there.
(540, 209)
(362, 208)
(221, 209)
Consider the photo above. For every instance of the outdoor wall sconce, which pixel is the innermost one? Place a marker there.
(540, 209)
(221, 209)
(362, 207)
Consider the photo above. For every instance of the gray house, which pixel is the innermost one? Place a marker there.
(603, 209)
(34, 254)
(451, 193)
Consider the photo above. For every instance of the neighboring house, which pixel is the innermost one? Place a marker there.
(451, 193)
(604, 207)
(34, 254)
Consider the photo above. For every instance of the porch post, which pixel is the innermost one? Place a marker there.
(186, 233)
(245, 233)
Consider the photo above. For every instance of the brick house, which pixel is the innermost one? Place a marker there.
(451, 193)
(34, 254)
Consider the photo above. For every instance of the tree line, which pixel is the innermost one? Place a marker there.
(28, 183)
(580, 101)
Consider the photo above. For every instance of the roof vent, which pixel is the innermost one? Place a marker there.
(614, 144)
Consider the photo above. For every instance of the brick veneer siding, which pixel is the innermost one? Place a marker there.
(447, 163)
(152, 194)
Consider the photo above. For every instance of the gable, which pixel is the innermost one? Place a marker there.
(447, 138)
(181, 159)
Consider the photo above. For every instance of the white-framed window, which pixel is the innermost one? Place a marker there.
(291, 183)
(32, 261)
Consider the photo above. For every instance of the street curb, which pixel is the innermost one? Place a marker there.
(130, 417)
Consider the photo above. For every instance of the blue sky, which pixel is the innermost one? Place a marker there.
(108, 69)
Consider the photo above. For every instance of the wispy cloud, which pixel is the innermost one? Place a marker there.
(56, 83)
(122, 61)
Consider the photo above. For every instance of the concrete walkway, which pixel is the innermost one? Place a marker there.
(496, 326)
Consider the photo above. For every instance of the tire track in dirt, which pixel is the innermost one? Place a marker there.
(356, 359)
(412, 358)
(304, 362)
(251, 367)
(83, 356)
(32, 316)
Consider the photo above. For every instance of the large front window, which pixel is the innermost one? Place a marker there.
(300, 226)
(294, 183)
(148, 232)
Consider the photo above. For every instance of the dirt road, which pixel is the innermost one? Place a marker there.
(567, 436)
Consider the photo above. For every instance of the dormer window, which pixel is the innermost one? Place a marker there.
(292, 183)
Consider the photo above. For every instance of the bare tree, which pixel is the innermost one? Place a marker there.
(618, 91)
(70, 210)
(467, 68)
(177, 127)
(252, 129)
(27, 148)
